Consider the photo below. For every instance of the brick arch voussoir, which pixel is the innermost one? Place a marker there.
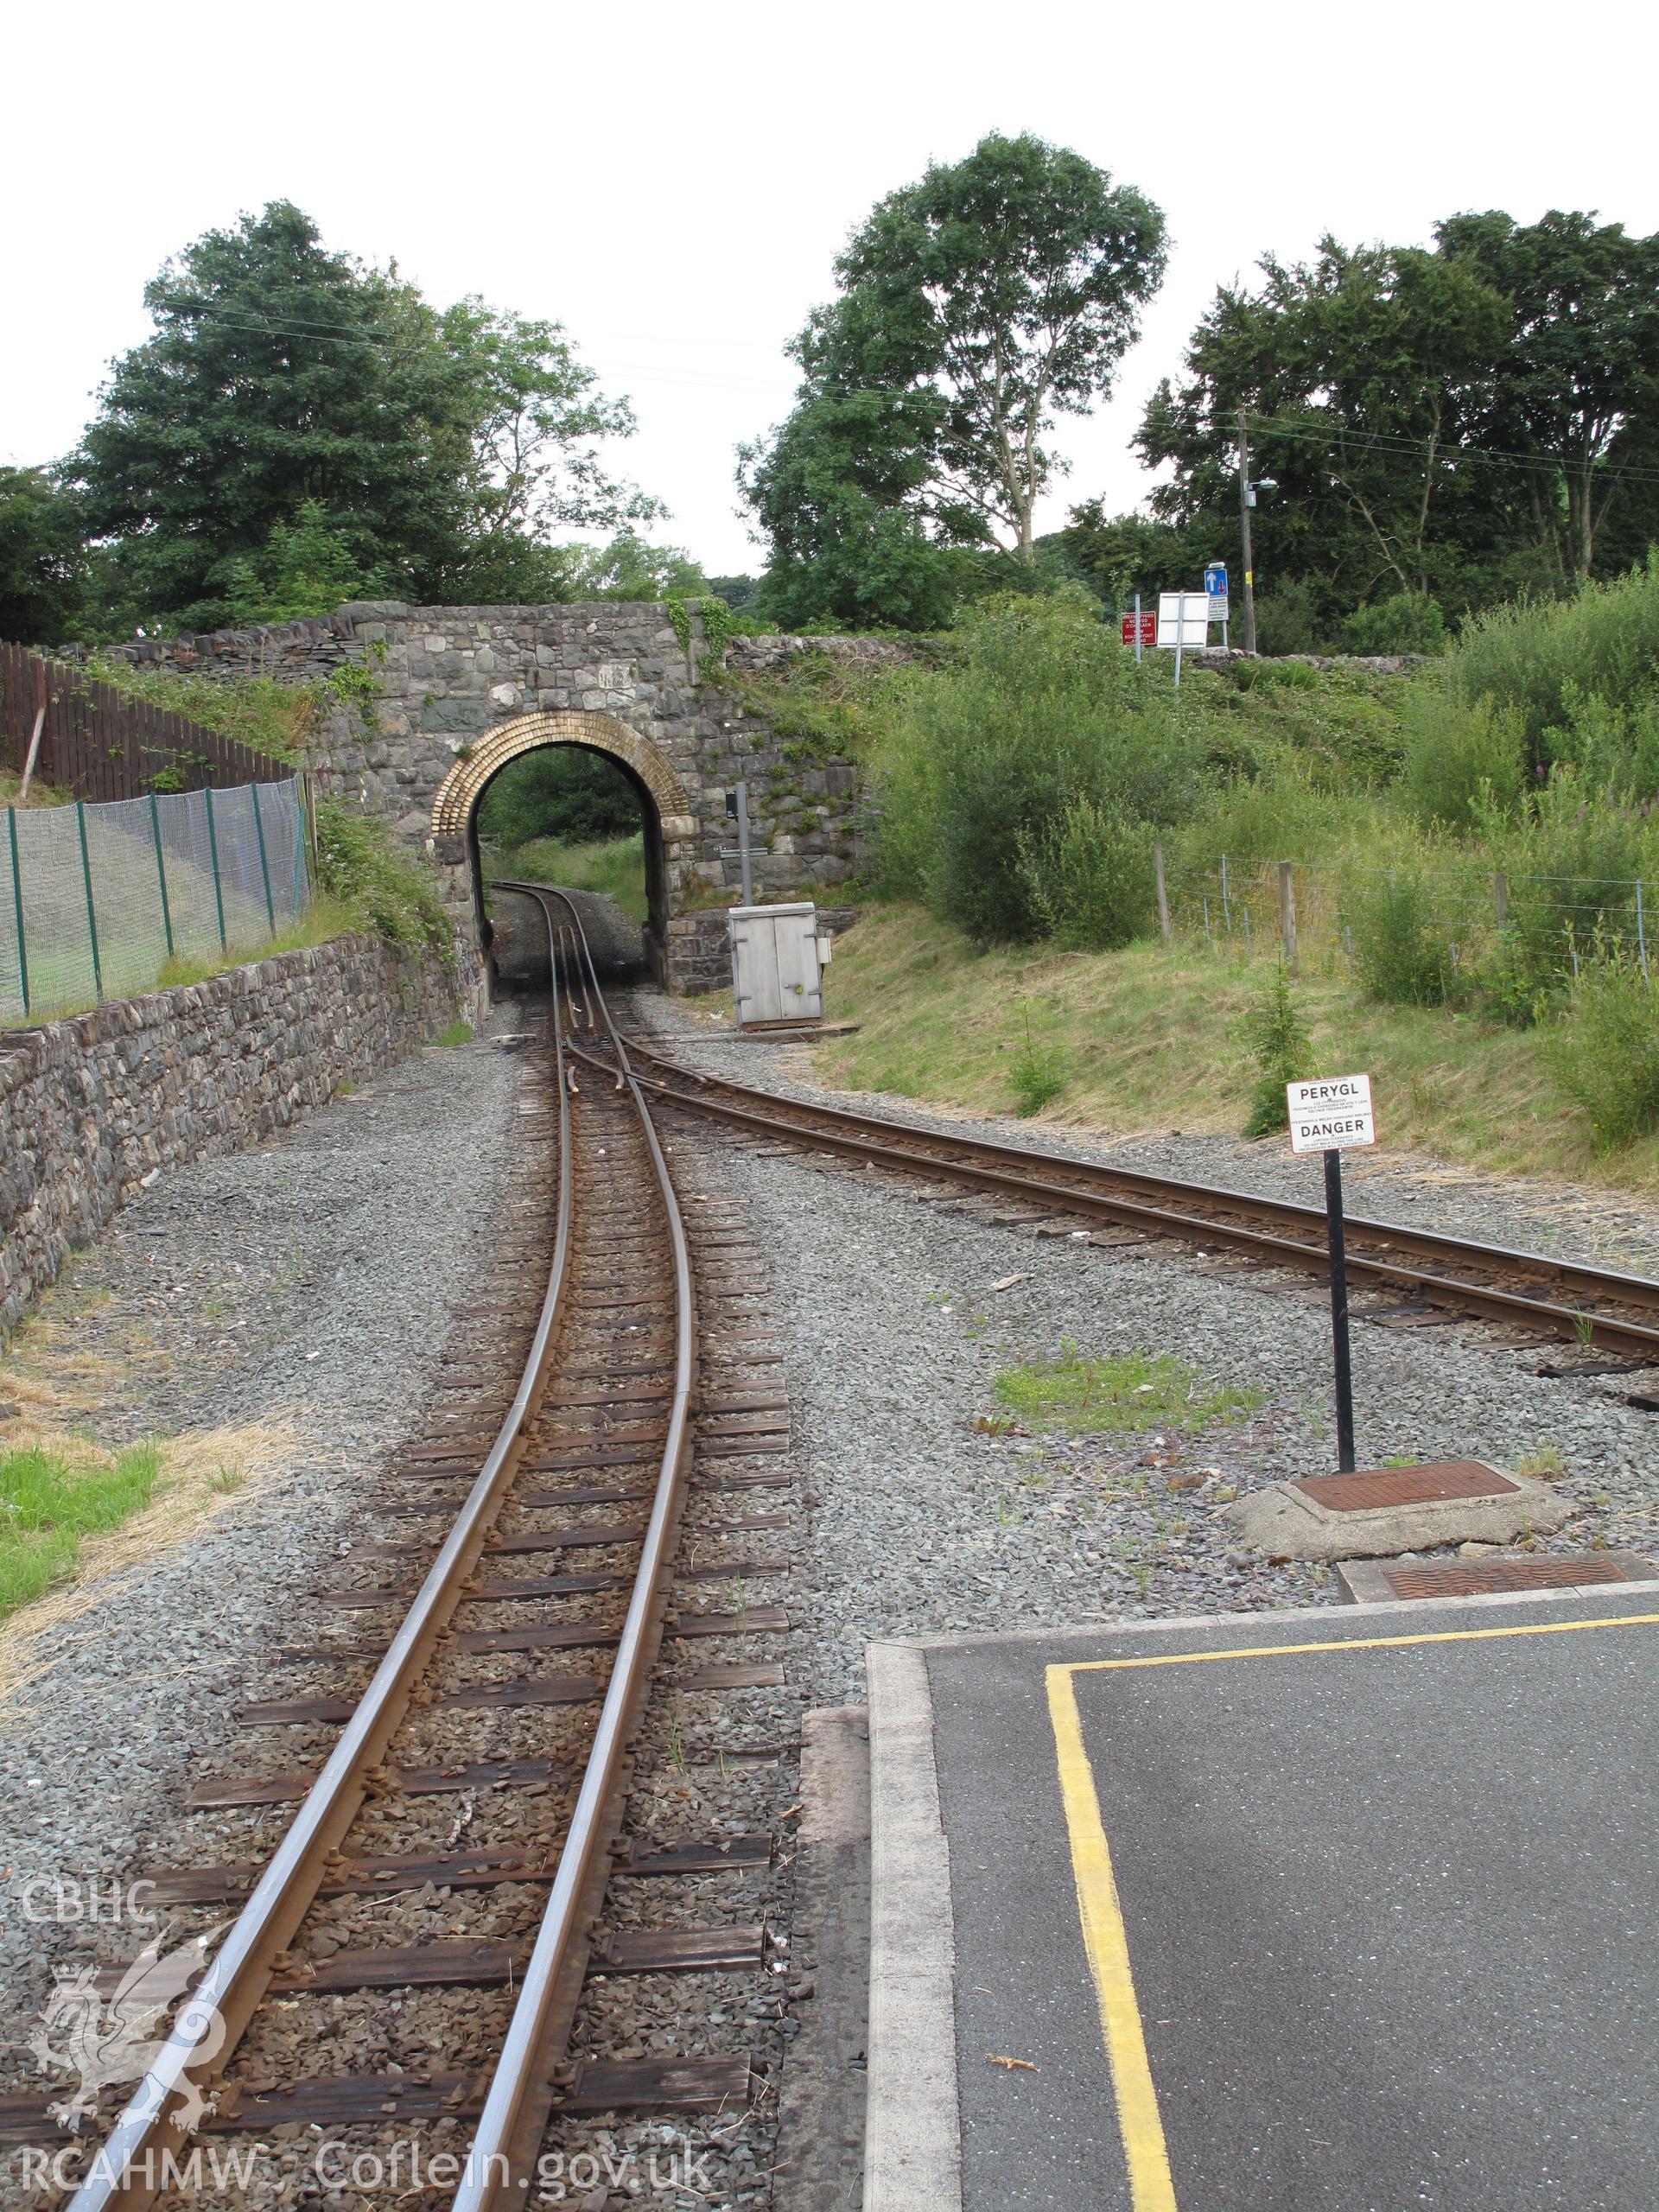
(462, 789)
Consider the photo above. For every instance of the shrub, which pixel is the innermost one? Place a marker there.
(1039, 1077)
(1534, 655)
(382, 883)
(1283, 1052)
(1572, 866)
(1090, 878)
(1465, 762)
(1037, 706)
(1038, 1073)
(1606, 1051)
(1289, 619)
(1613, 749)
(1276, 816)
(1407, 623)
(1403, 948)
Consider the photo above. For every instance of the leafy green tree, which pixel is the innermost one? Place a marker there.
(304, 568)
(42, 558)
(435, 450)
(1365, 374)
(1117, 555)
(628, 567)
(1576, 391)
(535, 425)
(561, 791)
(974, 309)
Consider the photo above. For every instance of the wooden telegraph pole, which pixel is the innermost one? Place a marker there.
(1246, 501)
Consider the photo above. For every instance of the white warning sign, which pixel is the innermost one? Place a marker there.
(1331, 1113)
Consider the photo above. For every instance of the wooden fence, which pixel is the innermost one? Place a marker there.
(97, 744)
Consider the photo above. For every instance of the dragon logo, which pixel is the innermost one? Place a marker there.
(108, 2036)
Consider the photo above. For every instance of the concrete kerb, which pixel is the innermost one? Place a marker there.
(1285, 1523)
(912, 2135)
(1338, 1617)
(820, 2162)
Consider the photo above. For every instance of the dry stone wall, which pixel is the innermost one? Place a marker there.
(94, 1107)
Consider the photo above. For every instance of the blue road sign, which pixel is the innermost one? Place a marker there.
(1214, 580)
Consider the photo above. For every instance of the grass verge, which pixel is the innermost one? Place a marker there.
(1154, 1040)
(51, 1499)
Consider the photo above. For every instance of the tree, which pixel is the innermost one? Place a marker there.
(432, 450)
(1365, 374)
(974, 309)
(628, 567)
(1117, 555)
(1457, 424)
(304, 568)
(535, 421)
(1578, 393)
(562, 791)
(42, 558)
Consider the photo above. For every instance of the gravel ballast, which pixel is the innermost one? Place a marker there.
(917, 1524)
(310, 1285)
(307, 1287)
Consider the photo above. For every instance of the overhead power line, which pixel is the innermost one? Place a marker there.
(1392, 444)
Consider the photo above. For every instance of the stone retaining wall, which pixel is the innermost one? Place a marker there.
(93, 1107)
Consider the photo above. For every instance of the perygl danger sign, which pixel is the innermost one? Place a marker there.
(1331, 1113)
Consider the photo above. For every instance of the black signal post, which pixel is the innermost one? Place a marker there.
(1344, 1378)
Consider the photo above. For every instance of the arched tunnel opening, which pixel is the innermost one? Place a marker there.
(570, 815)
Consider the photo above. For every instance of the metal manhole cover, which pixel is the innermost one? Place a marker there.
(1475, 1578)
(1376, 1487)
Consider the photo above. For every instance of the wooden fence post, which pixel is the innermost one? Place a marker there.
(1164, 930)
(1501, 899)
(1288, 914)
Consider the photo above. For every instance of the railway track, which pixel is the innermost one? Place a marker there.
(1423, 1272)
(403, 1970)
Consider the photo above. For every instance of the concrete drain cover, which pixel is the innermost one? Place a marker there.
(1367, 1581)
(1383, 1511)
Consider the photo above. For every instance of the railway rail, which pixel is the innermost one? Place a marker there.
(1603, 1310)
(418, 1793)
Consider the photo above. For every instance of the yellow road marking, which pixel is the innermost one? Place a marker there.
(1106, 1939)
(1360, 1644)
(1151, 2189)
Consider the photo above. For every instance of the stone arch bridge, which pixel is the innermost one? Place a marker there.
(464, 691)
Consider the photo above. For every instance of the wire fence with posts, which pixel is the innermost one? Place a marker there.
(1457, 919)
(95, 900)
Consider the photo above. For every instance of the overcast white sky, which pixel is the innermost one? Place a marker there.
(672, 182)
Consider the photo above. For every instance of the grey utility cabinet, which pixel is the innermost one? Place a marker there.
(778, 961)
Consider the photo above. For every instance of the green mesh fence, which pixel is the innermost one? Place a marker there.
(95, 900)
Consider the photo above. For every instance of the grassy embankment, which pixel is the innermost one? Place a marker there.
(1474, 850)
(1146, 1039)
